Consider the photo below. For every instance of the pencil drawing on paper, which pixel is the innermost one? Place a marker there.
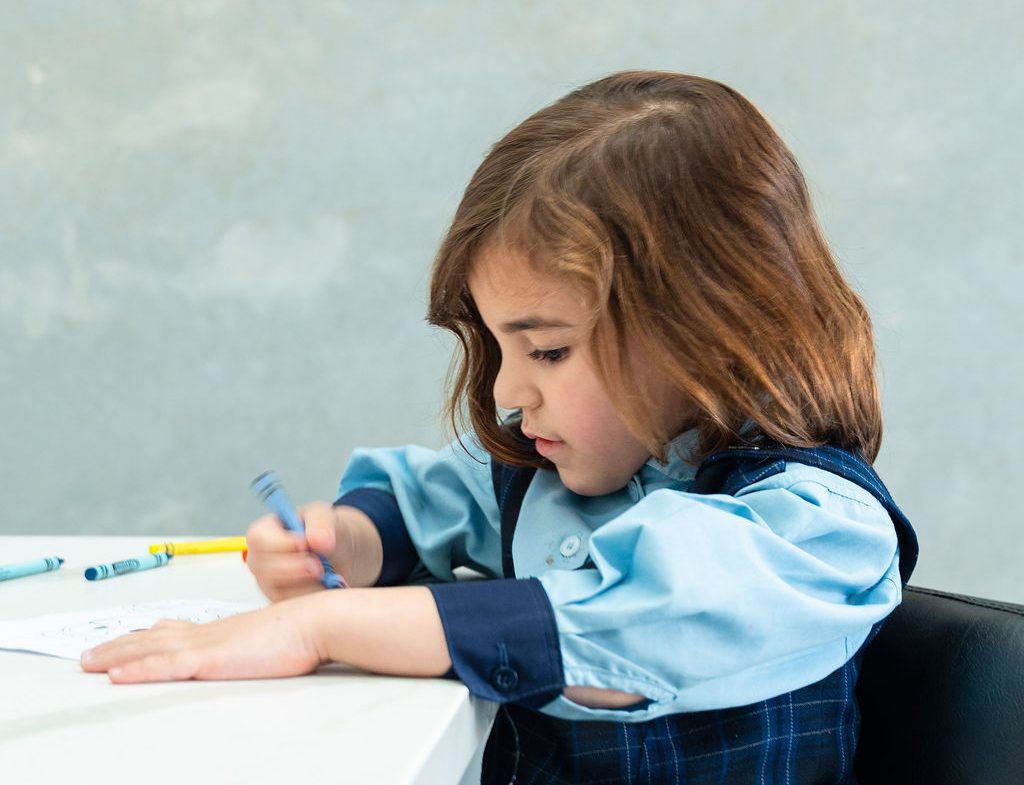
(67, 635)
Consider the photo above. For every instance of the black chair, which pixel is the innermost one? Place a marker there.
(942, 694)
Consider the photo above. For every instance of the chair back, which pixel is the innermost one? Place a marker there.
(941, 691)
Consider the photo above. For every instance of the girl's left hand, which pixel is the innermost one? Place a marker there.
(267, 643)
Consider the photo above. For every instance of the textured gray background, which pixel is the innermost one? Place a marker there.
(217, 218)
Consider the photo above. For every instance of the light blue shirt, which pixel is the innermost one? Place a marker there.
(697, 601)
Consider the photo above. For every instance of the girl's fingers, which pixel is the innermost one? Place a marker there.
(286, 565)
(267, 535)
(164, 666)
(285, 575)
(259, 644)
(148, 656)
(285, 569)
(163, 636)
(320, 521)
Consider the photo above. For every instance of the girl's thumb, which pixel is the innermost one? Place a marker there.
(320, 537)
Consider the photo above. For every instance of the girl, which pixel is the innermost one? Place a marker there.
(666, 480)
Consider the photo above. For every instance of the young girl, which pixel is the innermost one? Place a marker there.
(666, 480)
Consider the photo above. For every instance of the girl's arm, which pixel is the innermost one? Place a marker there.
(391, 630)
(394, 631)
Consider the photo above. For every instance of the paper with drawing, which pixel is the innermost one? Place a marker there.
(69, 634)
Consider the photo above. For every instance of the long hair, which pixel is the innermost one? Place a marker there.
(673, 206)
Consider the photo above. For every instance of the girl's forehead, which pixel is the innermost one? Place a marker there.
(505, 268)
(506, 283)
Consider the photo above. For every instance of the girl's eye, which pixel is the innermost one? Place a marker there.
(549, 355)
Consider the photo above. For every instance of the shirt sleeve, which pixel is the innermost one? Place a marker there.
(695, 601)
(707, 601)
(434, 509)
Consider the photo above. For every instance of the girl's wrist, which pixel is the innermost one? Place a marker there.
(315, 616)
(394, 630)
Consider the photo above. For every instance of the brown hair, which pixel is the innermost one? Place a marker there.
(679, 213)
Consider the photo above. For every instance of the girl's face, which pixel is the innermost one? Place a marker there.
(539, 323)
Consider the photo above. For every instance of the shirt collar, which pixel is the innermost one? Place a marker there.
(679, 452)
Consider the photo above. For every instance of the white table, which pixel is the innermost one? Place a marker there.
(59, 724)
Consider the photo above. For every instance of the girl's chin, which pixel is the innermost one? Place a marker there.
(588, 486)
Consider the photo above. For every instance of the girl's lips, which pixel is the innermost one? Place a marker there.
(545, 446)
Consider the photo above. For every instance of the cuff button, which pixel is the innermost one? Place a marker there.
(505, 678)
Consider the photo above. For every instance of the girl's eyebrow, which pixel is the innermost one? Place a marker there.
(533, 323)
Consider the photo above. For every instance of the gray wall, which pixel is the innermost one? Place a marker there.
(217, 218)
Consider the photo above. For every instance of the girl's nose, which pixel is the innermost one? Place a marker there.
(514, 390)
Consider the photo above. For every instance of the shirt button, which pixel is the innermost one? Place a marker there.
(505, 678)
(569, 546)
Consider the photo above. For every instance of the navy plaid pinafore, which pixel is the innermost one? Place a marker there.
(807, 736)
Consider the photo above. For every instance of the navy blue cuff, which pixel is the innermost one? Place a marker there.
(502, 639)
(400, 555)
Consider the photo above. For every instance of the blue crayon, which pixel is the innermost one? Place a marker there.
(147, 562)
(26, 568)
(273, 496)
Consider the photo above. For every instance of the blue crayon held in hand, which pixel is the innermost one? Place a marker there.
(147, 562)
(24, 569)
(269, 489)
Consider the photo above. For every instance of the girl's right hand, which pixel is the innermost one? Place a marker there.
(286, 565)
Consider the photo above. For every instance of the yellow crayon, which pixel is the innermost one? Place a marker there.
(199, 546)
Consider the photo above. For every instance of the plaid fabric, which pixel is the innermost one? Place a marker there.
(807, 736)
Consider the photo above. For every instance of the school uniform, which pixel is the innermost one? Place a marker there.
(735, 601)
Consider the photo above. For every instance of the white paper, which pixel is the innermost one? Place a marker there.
(69, 634)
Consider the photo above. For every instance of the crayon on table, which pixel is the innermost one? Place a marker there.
(102, 571)
(24, 569)
(193, 547)
(269, 489)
